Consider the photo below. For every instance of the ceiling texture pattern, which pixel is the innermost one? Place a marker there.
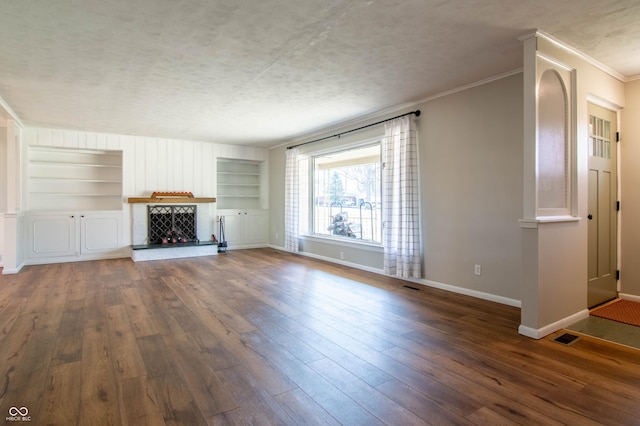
(262, 72)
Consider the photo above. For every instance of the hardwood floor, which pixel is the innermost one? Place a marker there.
(266, 337)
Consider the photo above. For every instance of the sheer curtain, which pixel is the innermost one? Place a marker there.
(401, 233)
(291, 200)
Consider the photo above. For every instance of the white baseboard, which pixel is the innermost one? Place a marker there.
(116, 254)
(341, 262)
(7, 271)
(630, 297)
(442, 286)
(468, 292)
(553, 327)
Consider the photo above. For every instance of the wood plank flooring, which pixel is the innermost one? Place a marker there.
(265, 337)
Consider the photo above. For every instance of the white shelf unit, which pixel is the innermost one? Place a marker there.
(238, 184)
(74, 179)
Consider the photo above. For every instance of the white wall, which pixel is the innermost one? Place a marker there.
(154, 164)
(3, 170)
(630, 193)
(3, 185)
(470, 145)
(555, 253)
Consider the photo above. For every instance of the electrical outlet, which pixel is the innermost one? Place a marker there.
(478, 270)
(277, 235)
(341, 255)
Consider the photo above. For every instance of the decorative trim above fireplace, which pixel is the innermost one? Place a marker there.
(170, 197)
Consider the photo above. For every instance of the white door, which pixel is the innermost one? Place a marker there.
(602, 215)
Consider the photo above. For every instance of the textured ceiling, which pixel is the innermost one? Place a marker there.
(258, 72)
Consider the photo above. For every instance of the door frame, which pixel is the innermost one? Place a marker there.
(615, 109)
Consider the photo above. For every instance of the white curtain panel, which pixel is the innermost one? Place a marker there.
(291, 201)
(401, 234)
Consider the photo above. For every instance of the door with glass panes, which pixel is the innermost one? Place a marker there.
(602, 215)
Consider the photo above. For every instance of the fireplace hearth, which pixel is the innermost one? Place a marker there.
(172, 224)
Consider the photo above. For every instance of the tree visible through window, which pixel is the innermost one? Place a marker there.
(347, 194)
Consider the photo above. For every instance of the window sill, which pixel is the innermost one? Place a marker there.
(355, 243)
(533, 223)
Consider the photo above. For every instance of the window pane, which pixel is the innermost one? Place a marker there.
(347, 194)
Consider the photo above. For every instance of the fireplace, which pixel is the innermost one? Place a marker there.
(172, 224)
(165, 216)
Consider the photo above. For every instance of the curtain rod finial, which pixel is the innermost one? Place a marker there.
(417, 113)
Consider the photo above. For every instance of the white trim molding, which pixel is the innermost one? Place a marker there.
(428, 283)
(630, 297)
(533, 223)
(602, 67)
(553, 327)
(398, 109)
(10, 112)
(9, 271)
(468, 292)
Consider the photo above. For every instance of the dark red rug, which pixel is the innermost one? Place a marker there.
(624, 311)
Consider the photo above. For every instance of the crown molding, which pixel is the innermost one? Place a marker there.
(575, 52)
(11, 114)
(471, 85)
(377, 115)
(395, 110)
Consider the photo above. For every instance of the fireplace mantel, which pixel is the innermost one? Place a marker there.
(172, 200)
(170, 197)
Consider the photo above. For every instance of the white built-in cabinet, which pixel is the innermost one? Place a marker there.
(240, 198)
(60, 236)
(74, 179)
(245, 228)
(75, 205)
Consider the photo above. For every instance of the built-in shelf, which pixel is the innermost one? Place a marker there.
(239, 184)
(66, 194)
(81, 179)
(77, 180)
(61, 164)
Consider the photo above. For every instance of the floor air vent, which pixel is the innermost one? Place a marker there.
(566, 339)
(411, 288)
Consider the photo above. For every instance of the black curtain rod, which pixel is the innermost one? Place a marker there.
(337, 135)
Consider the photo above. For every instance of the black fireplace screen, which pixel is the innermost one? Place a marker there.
(172, 224)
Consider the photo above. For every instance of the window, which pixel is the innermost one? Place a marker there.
(347, 194)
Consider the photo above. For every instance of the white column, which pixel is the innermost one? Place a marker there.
(13, 256)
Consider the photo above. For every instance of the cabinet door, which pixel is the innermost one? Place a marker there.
(255, 227)
(233, 232)
(51, 235)
(244, 228)
(100, 233)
